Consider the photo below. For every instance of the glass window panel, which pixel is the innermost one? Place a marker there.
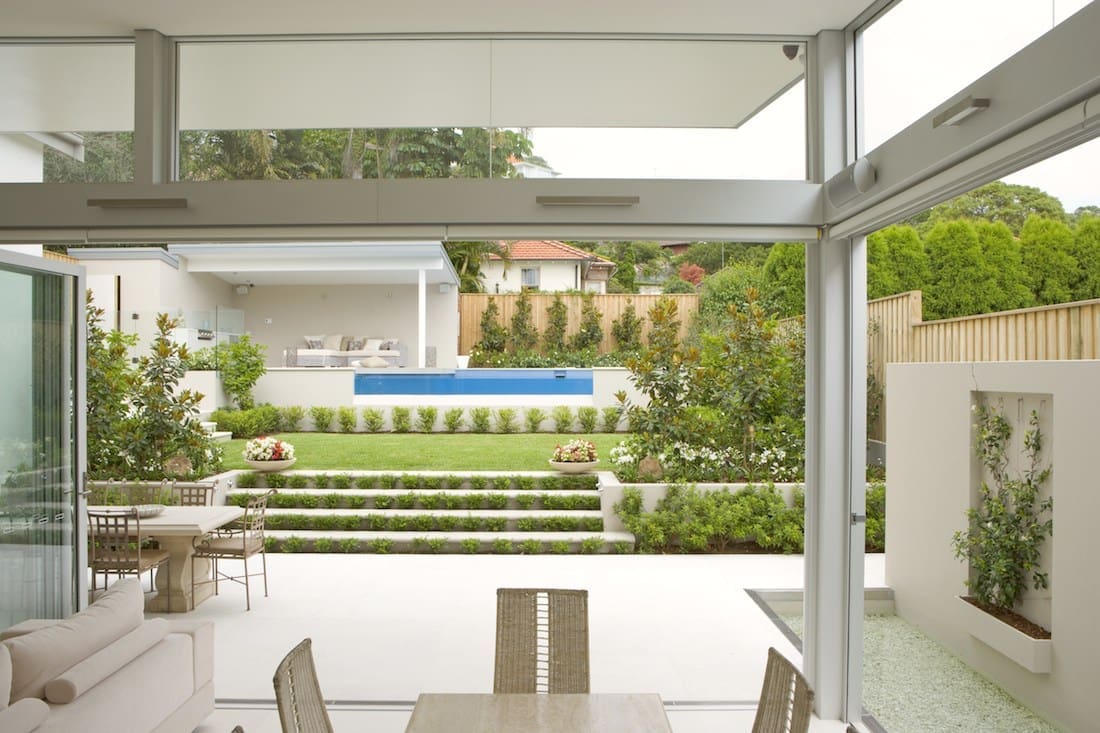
(37, 444)
(68, 112)
(913, 59)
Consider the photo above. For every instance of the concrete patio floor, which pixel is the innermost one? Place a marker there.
(387, 627)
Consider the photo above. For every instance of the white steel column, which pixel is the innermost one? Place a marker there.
(421, 318)
(836, 355)
(154, 108)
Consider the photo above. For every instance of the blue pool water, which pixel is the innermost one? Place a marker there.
(477, 382)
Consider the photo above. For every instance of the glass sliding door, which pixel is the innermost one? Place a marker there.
(42, 550)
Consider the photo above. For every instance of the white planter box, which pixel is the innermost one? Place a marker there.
(1031, 654)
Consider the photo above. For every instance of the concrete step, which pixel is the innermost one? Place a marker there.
(452, 541)
(221, 436)
(513, 513)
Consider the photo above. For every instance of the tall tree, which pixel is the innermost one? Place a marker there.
(896, 261)
(996, 201)
(785, 278)
(1045, 246)
(624, 272)
(962, 282)
(1086, 250)
(1002, 254)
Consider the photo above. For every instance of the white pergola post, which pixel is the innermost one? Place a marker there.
(421, 318)
(154, 108)
(836, 354)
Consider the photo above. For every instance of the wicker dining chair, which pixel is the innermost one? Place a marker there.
(298, 693)
(786, 699)
(115, 546)
(542, 641)
(244, 542)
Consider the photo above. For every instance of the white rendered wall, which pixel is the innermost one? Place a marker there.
(553, 276)
(374, 311)
(20, 159)
(929, 487)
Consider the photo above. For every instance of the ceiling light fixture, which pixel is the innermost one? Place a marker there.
(957, 113)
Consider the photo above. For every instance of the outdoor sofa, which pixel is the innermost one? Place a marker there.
(106, 669)
(338, 350)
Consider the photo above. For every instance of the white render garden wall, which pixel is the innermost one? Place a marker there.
(931, 476)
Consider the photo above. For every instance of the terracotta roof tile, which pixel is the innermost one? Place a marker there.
(548, 250)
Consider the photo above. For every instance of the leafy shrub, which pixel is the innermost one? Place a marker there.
(446, 523)
(451, 481)
(496, 501)
(559, 547)
(423, 522)
(248, 423)
(294, 544)
(401, 418)
(431, 501)
(496, 524)
(563, 419)
(470, 524)
(550, 483)
(241, 364)
(587, 416)
(525, 501)
(346, 419)
(454, 501)
(332, 501)
(478, 483)
(247, 480)
(527, 524)
(431, 483)
(425, 419)
(290, 418)
(627, 329)
(381, 546)
(557, 321)
(591, 545)
(373, 420)
(341, 481)
(308, 501)
(376, 522)
(502, 546)
(322, 418)
(356, 502)
(688, 520)
(452, 419)
(623, 548)
(387, 481)
(533, 418)
(297, 481)
(348, 544)
(473, 501)
(321, 480)
(875, 539)
(322, 544)
(590, 332)
(406, 501)
(276, 480)
(470, 545)
(524, 336)
(479, 419)
(611, 416)
(410, 481)
(365, 482)
(506, 420)
(530, 547)
(524, 483)
(494, 336)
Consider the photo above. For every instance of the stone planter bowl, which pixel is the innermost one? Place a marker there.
(573, 466)
(267, 466)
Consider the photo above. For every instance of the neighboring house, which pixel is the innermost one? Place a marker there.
(527, 169)
(546, 266)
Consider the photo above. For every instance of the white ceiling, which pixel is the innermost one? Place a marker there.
(235, 17)
(320, 263)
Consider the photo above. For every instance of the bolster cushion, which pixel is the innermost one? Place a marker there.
(24, 716)
(88, 673)
(38, 657)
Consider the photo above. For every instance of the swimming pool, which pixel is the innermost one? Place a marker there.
(496, 382)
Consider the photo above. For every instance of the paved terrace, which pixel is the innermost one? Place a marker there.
(388, 627)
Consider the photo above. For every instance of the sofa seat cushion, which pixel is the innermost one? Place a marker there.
(24, 716)
(136, 698)
(38, 657)
(89, 672)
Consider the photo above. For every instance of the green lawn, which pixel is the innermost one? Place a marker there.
(424, 452)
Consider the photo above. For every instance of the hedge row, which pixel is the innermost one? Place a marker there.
(341, 481)
(430, 545)
(429, 523)
(429, 501)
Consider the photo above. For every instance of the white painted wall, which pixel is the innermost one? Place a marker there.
(307, 387)
(20, 159)
(931, 480)
(375, 311)
(501, 277)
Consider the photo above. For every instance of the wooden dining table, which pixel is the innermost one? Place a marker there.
(176, 529)
(526, 713)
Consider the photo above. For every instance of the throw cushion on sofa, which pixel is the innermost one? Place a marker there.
(355, 344)
(333, 341)
(88, 673)
(315, 342)
(38, 657)
(373, 345)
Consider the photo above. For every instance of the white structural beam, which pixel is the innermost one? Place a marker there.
(835, 352)
(421, 319)
(154, 108)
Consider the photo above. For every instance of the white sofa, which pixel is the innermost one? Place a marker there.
(338, 350)
(107, 670)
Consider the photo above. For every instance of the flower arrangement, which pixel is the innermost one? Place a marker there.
(268, 449)
(575, 451)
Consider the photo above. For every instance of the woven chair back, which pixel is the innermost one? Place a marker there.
(253, 521)
(786, 699)
(193, 494)
(298, 693)
(114, 540)
(542, 641)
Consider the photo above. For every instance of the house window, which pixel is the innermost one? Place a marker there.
(529, 278)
